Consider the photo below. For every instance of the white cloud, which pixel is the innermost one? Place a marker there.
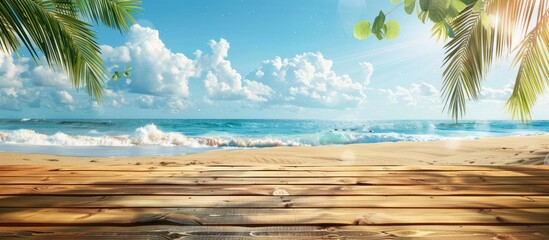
(496, 94)
(11, 70)
(368, 69)
(159, 71)
(416, 94)
(16, 99)
(145, 101)
(61, 99)
(45, 76)
(176, 105)
(223, 82)
(65, 97)
(171, 104)
(307, 80)
(160, 80)
(156, 69)
(115, 99)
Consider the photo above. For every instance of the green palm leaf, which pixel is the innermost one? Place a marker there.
(466, 62)
(481, 32)
(116, 14)
(53, 27)
(513, 18)
(533, 74)
(8, 40)
(478, 43)
(65, 41)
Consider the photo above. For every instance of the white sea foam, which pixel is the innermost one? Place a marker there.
(152, 135)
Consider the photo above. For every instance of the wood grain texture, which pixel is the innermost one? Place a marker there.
(276, 216)
(274, 202)
(280, 232)
(273, 174)
(336, 166)
(427, 179)
(268, 190)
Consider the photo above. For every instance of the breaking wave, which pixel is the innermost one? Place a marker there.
(152, 135)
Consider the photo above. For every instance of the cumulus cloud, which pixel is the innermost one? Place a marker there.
(160, 79)
(170, 104)
(416, 94)
(43, 75)
(145, 101)
(16, 99)
(115, 99)
(11, 70)
(496, 94)
(223, 82)
(156, 69)
(307, 80)
(420, 93)
(23, 85)
(160, 72)
(64, 97)
(175, 105)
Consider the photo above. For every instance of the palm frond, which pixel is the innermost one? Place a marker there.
(467, 60)
(65, 41)
(66, 7)
(512, 19)
(533, 73)
(8, 40)
(478, 44)
(116, 14)
(442, 31)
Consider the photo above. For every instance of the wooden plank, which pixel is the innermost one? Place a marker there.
(280, 232)
(248, 217)
(420, 180)
(493, 202)
(269, 190)
(284, 174)
(337, 166)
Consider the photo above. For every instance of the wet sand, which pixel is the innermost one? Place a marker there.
(485, 151)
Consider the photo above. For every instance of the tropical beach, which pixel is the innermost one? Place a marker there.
(274, 119)
(527, 150)
(446, 189)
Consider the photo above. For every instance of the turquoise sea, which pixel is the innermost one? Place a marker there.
(147, 137)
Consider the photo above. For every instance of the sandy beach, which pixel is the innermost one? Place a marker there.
(485, 151)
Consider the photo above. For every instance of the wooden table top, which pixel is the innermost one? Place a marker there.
(274, 202)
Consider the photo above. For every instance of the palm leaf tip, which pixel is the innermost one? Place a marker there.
(54, 28)
(532, 79)
(117, 14)
(465, 63)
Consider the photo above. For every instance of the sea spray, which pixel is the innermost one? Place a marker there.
(143, 137)
(150, 134)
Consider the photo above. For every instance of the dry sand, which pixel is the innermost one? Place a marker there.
(486, 151)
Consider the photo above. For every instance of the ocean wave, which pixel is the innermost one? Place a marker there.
(152, 135)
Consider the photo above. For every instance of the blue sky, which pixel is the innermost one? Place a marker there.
(256, 59)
